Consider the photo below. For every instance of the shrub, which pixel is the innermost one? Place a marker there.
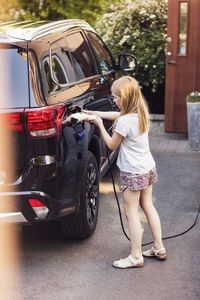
(138, 27)
(193, 97)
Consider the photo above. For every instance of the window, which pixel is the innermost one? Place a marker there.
(83, 63)
(101, 52)
(62, 69)
(183, 28)
(14, 79)
(52, 87)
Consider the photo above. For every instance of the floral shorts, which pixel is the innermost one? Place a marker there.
(137, 182)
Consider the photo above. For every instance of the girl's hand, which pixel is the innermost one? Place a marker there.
(112, 142)
(96, 121)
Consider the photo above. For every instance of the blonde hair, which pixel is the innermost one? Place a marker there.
(127, 88)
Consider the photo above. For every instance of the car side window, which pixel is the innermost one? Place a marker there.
(84, 65)
(103, 56)
(14, 83)
(52, 87)
(62, 69)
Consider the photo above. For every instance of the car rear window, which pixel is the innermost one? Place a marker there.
(13, 78)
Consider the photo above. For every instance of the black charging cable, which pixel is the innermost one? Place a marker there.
(120, 214)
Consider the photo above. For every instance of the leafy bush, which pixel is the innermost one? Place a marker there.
(138, 27)
(88, 10)
(193, 97)
(7, 10)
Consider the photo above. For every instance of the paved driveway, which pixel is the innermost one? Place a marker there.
(53, 268)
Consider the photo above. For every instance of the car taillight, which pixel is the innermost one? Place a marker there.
(38, 122)
(44, 121)
(12, 120)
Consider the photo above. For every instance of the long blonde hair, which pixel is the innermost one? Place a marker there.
(127, 88)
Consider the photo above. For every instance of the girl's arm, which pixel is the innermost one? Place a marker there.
(112, 142)
(108, 115)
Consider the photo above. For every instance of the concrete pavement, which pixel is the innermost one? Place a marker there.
(52, 267)
(177, 198)
(162, 142)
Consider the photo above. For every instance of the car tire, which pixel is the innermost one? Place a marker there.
(82, 224)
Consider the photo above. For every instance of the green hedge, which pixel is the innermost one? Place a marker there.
(138, 27)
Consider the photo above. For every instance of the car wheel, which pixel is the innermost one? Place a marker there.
(83, 223)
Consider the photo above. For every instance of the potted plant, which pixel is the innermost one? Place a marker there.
(193, 117)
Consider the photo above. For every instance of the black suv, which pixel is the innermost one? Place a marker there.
(49, 70)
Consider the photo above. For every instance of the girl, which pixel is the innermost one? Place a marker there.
(136, 164)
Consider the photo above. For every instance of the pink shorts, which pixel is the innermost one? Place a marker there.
(137, 182)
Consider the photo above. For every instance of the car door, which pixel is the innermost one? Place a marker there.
(107, 73)
(88, 76)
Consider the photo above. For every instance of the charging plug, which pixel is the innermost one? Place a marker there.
(76, 121)
(78, 117)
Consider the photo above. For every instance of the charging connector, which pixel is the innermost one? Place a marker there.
(78, 117)
(75, 119)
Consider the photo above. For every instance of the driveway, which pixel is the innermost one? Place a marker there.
(54, 268)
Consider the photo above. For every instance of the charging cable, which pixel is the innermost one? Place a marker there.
(75, 118)
(120, 214)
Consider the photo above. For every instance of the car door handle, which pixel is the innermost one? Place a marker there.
(171, 62)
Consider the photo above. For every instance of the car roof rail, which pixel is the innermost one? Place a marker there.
(29, 30)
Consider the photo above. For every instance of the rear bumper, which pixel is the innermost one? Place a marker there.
(15, 207)
(15, 217)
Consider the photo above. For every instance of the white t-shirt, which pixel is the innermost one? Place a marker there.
(134, 154)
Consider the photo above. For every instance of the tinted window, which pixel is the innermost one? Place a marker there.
(13, 78)
(83, 63)
(59, 70)
(62, 69)
(102, 53)
(52, 87)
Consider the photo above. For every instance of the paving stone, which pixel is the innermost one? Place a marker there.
(161, 141)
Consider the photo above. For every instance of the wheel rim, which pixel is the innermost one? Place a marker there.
(92, 194)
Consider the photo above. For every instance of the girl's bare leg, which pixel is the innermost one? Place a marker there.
(131, 203)
(152, 217)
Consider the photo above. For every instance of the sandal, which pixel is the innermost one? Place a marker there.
(129, 262)
(155, 253)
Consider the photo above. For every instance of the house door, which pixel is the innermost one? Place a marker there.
(182, 61)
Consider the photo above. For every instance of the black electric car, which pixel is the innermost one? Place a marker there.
(49, 70)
